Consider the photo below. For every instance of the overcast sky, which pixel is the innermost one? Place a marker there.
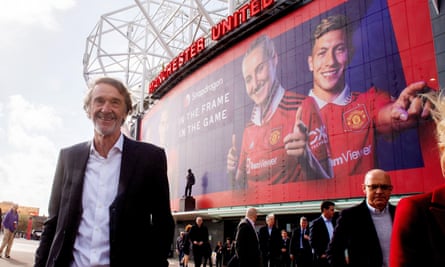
(42, 87)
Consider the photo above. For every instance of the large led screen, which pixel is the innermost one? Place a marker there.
(297, 111)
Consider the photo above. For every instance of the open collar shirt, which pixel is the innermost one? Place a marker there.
(329, 226)
(91, 247)
(342, 99)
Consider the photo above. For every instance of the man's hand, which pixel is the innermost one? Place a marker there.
(232, 157)
(295, 142)
(410, 104)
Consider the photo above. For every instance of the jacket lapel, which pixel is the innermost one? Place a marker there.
(129, 161)
(437, 208)
(79, 167)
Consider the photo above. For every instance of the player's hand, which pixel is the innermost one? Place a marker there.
(410, 104)
(295, 142)
(232, 156)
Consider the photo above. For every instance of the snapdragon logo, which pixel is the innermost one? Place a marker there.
(207, 89)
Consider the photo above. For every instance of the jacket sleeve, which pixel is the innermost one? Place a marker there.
(50, 224)
(408, 246)
(338, 245)
(162, 219)
(293, 247)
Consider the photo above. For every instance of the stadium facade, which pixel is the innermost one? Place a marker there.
(192, 101)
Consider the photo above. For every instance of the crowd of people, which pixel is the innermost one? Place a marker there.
(369, 234)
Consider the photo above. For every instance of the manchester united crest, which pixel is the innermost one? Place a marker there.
(356, 119)
(274, 137)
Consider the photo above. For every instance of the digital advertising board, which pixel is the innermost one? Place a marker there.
(296, 111)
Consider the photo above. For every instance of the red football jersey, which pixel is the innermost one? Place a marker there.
(263, 158)
(351, 130)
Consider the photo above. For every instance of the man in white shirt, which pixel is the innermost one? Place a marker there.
(103, 189)
(320, 232)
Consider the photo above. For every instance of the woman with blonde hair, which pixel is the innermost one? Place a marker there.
(418, 237)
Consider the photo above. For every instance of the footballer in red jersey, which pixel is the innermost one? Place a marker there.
(285, 141)
(263, 157)
(354, 118)
(351, 121)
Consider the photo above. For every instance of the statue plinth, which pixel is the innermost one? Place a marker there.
(187, 203)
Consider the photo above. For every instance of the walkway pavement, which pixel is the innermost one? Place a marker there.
(22, 255)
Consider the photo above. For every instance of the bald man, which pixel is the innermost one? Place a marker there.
(363, 232)
(247, 246)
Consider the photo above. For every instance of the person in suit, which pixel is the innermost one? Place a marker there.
(285, 250)
(246, 241)
(321, 231)
(103, 188)
(364, 230)
(418, 237)
(199, 236)
(300, 249)
(270, 242)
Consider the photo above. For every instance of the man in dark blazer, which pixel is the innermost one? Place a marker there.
(285, 250)
(105, 189)
(270, 242)
(363, 232)
(246, 241)
(320, 233)
(300, 249)
(199, 236)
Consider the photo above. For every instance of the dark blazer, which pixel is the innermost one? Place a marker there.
(270, 245)
(302, 256)
(247, 246)
(142, 202)
(285, 255)
(319, 236)
(419, 230)
(295, 242)
(355, 231)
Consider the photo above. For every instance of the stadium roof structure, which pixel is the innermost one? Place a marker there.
(135, 42)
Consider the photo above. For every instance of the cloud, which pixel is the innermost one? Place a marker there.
(27, 171)
(31, 12)
(26, 121)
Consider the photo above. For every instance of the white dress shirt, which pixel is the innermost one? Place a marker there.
(92, 247)
(329, 226)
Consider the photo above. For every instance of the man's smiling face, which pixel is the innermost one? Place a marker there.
(328, 63)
